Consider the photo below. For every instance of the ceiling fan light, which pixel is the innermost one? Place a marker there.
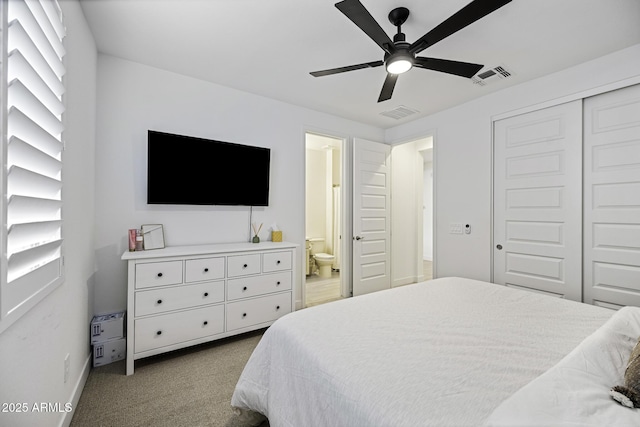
(399, 65)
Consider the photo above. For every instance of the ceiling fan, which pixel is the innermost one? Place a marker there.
(400, 56)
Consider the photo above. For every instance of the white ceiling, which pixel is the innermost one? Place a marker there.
(268, 47)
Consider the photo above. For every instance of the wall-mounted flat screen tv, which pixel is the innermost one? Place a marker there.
(184, 170)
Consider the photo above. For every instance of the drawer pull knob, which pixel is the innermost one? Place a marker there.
(206, 270)
(159, 333)
(278, 307)
(244, 289)
(159, 301)
(205, 323)
(278, 284)
(206, 294)
(278, 262)
(244, 314)
(159, 274)
(245, 266)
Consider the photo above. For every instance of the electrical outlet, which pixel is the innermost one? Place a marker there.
(67, 364)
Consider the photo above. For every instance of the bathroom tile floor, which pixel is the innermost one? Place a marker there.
(427, 269)
(320, 290)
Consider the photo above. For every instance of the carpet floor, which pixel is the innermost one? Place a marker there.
(189, 387)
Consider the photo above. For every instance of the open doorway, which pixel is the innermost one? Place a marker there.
(412, 214)
(323, 219)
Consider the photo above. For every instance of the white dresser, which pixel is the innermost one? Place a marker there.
(185, 295)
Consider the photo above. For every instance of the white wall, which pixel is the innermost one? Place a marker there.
(133, 98)
(463, 155)
(406, 220)
(427, 212)
(32, 350)
(316, 189)
(333, 178)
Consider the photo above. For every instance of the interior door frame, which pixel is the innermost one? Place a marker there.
(552, 103)
(346, 211)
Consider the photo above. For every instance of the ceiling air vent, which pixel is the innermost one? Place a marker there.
(399, 112)
(491, 75)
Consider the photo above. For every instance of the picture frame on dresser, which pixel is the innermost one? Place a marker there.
(153, 236)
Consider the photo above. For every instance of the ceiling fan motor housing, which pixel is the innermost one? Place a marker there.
(401, 53)
(399, 38)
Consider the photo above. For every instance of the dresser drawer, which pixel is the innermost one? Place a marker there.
(246, 313)
(276, 261)
(197, 270)
(173, 328)
(258, 285)
(242, 265)
(158, 274)
(175, 298)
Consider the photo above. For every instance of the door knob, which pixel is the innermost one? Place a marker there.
(499, 247)
(358, 238)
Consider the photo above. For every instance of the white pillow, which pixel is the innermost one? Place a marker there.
(575, 392)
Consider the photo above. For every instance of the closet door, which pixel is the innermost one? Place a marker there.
(612, 198)
(538, 201)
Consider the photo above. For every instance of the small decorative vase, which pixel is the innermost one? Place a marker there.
(256, 239)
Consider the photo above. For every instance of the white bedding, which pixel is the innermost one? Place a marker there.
(575, 392)
(443, 352)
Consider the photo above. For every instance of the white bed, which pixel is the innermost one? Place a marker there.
(446, 352)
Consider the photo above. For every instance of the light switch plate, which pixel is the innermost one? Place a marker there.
(455, 228)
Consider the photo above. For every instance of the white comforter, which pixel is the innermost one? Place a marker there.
(575, 392)
(443, 352)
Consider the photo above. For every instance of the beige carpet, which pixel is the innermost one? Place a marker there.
(190, 387)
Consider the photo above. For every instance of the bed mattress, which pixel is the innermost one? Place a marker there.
(445, 352)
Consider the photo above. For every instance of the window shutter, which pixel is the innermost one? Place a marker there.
(32, 206)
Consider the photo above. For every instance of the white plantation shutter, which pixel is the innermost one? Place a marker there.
(32, 154)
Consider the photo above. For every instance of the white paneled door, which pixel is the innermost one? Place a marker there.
(612, 198)
(371, 217)
(538, 201)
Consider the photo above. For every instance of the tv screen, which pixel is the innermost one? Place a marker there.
(184, 170)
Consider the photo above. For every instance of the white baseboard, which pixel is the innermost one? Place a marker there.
(77, 392)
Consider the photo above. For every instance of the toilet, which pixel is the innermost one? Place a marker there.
(323, 260)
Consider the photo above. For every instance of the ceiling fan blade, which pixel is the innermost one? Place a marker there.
(359, 15)
(472, 12)
(463, 69)
(347, 68)
(387, 87)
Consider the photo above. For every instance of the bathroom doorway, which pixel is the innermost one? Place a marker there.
(323, 219)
